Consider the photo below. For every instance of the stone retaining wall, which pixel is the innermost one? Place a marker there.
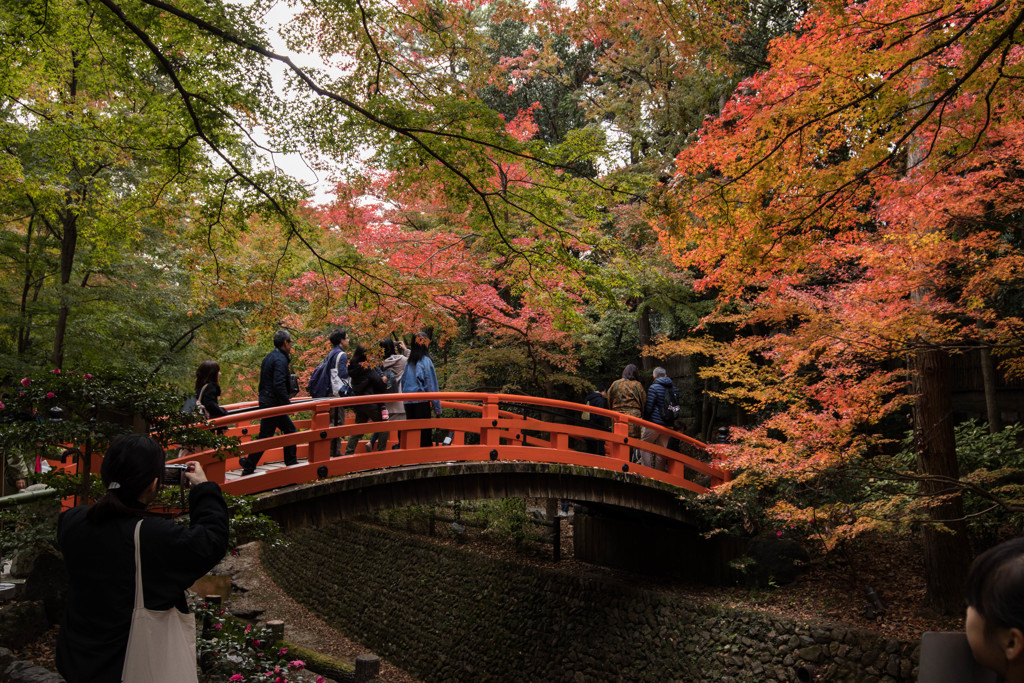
(446, 614)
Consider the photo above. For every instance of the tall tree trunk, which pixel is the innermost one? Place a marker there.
(69, 243)
(644, 333)
(947, 551)
(24, 322)
(988, 379)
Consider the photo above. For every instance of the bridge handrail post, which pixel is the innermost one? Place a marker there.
(319, 448)
(617, 447)
(489, 435)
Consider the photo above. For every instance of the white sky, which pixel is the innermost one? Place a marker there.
(293, 165)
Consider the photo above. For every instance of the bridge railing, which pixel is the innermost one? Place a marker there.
(491, 427)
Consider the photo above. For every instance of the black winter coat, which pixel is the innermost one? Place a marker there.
(595, 399)
(211, 392)
(100, 559)
(366, 381)
(274, 380)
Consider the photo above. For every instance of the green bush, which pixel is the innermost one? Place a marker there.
(246, 526)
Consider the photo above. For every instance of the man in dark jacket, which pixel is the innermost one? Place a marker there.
(661, 398)
(274, 391)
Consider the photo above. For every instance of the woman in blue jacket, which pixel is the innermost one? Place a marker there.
(419, 376)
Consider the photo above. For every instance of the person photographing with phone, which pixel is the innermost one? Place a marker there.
(127, 618)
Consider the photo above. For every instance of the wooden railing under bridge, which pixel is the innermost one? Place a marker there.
(483, 427)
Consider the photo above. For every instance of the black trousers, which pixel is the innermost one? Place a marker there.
(268, 426)
(421, 411)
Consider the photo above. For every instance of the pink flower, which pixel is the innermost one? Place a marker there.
(255, 643)
(50, 394)
(217, 627)
(1, 405)
(237, 677)
(320, 679)
(248, 628)
(56, 371)
(297, 664)
(87, 376)
(25, 381)
(282, 652)
(778, 533)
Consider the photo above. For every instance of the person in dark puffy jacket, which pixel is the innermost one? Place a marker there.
(661, 396)
(273, 391)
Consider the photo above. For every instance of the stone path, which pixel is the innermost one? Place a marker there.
(255, 592)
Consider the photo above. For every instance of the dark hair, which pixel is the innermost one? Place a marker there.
(631, 373)
(418, 350)
(358, 356)
(388, 344)
(207, 372)
(132, 462)
(280, 337)
(995, 585)
(336, 336)
(602, 386)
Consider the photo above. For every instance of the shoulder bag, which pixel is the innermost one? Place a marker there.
(161, 643)
(340, 386)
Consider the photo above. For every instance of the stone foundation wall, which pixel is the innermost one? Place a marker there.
(446, 614)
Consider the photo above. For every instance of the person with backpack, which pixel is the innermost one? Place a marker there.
(420, 377)
(330, 378)
(661, 408)
(394, 367)
(366, 380)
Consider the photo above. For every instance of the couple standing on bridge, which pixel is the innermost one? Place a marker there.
(405, 370)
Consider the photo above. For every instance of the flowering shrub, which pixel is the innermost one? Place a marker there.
(230, 650)
(50, 412)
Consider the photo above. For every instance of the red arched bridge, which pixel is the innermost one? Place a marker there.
(484, 428)
(498, 445)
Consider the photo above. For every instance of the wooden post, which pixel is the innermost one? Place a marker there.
(216, 601)
(556, 540)
(367, 668)
(276, 627)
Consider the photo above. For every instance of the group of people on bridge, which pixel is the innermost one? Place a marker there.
(402, 369)
(658, 403)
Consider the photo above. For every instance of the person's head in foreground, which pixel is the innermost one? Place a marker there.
(995, 609)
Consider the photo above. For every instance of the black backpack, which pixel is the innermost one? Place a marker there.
(670, 406)
(391, 379)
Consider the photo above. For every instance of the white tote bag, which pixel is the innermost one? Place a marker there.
(161, 643)
(340, 386)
